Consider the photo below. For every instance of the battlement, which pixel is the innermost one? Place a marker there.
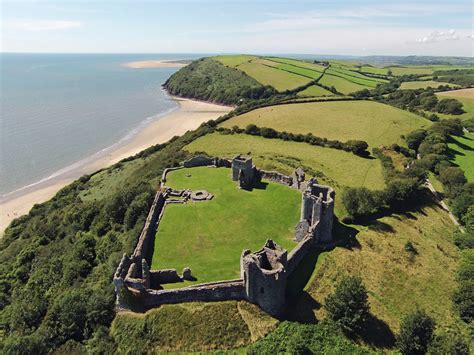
(264, 273)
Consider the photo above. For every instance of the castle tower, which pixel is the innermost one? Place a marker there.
(264, 274)
(317, 213)
(243, 171)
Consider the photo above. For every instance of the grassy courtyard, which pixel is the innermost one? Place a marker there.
(209, 236)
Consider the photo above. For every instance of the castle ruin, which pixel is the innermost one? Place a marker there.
(263, 274)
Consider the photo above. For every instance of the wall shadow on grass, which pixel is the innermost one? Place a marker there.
(344, 236)
(376, 333)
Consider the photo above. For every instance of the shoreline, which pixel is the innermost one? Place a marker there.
(187, 116)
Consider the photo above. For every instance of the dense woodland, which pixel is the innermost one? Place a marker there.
(57, 262)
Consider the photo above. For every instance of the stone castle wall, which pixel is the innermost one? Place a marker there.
(264, 273)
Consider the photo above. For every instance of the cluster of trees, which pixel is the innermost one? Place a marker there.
(402, 191)
(463, 77)
(464, 296)
(422, 100)
(355, 146)
(208, 80)
(432, 147)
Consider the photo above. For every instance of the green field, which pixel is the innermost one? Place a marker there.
(466, 96)
(406, 70)
(373, 70)
(209, 236)
(342, 85)
(234, 60)
(375, 123)
(413, 85)
(355, 77)
(462, 149)
(279, 79)
(300, 71)
(339, 168)
(298, 63)
(315, 90)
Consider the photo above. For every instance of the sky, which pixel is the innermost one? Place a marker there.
(337, 27)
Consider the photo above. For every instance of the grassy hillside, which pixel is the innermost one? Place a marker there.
(462, 150)
(212, 234)
(191, 327)
(209, 80)
(342, 85)
(234, 60)
(398, 281)
(279, 79)
(375, 123)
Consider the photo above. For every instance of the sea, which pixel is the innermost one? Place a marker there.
(58, 111)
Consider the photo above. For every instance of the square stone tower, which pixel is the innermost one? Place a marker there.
(243, 171)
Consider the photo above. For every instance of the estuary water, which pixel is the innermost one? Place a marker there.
(57, 110)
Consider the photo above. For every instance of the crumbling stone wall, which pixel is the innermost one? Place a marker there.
(264, 273)
(277, 177)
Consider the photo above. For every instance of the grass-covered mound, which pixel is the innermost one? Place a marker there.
(462, 151)
(375, 123)
(209, 236)
(191, 327)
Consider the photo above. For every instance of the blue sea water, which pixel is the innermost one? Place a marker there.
(58, 109)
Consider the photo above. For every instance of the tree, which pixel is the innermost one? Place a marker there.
(252, 129)
(415, 138)
(357, 147)
(348, 306)
(416, 332)
(449, 106)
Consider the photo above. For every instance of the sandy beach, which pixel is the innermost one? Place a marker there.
(188, 116)
(149, 64)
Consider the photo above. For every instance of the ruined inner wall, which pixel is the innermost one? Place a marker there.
(264, 273)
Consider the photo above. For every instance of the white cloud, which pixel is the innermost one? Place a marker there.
(439, 36)
(42, 25)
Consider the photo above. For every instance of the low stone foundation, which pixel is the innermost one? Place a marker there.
(263, 273)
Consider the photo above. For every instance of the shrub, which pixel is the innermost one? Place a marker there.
(444, 344)
(348, 306)
(416, 332)
(415, 138)
(409, 247)
(464, 300)
(357, 147)
(449, 106)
